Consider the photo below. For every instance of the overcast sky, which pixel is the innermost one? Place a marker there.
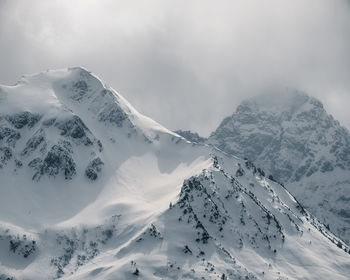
(187, 64)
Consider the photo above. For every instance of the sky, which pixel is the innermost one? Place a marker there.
(186, 64)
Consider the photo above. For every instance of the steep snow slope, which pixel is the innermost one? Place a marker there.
(229, 222)
(91, 189)
(291, 136)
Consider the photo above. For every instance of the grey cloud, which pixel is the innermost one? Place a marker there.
(187, 64)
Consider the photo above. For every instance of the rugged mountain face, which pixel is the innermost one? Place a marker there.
(291, 136)
(91, 189)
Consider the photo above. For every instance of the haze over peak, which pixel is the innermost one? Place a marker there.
(278, 101)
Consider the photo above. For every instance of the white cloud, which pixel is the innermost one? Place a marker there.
(186, 63)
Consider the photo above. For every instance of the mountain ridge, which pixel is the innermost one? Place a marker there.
(141, 201)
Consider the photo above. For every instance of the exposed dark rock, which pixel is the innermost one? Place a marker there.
(94, 168)
(9, 136)
(112, 113)
(327, 166)
(18, 163)
(58, 160)
(22, 247)
(74, 128)
(35, 163)
(100, 147)
(34, 142)
(23, 119)
(5, 155)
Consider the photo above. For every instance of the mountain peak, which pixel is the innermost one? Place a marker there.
(46, 116)
(74, 89)
(46, 89)
(291, 136)
(261, 126)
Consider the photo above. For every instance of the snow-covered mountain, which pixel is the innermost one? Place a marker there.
(291, 136)
(91, 189)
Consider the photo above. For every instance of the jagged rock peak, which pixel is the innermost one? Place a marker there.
(284, 132)
(291, 136)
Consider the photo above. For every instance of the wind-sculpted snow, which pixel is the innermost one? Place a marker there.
(291, 137)
(91, 189)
